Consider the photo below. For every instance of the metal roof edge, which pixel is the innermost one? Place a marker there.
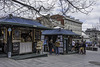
(25, 25)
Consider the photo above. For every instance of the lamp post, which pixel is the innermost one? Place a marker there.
(9, 42)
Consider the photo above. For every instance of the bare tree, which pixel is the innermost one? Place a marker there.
(34, 8)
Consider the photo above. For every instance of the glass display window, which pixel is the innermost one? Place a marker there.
(16, 34)
(26, 36)
(37, 35)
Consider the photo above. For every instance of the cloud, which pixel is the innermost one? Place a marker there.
(88, 20)
(85, 26)
(91, 19)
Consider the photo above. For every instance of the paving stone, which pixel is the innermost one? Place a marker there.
(91, 59)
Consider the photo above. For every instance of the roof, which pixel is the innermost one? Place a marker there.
(61, 17)
(73, 20)
(58, 32)
(18, 21)
(92, 30)
(84, 35)
(57, 16)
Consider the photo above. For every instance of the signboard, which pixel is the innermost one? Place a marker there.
(16, 47)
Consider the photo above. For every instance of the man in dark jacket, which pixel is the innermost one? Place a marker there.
(77, 46)
(84, 46)
(50, 46)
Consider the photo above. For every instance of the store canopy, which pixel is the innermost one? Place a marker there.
(18, 21)
(58, 32)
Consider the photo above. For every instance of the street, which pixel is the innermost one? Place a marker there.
(91, 59)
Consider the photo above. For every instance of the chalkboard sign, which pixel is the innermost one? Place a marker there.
(16, 47)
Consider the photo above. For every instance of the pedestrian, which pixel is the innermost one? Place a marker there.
(57, 45)
(50, 46)
(73, 46)
(81, 49)
(84, 46)
(77, 46)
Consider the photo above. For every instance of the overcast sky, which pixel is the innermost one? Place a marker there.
(90, 20)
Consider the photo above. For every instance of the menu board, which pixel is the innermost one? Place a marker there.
(16, 47)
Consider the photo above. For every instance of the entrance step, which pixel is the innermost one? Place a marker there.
(3, 55)
(27, 56)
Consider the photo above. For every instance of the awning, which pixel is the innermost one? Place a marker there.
(18, 21)
(58, 32)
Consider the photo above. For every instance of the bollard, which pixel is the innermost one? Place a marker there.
(9, 54)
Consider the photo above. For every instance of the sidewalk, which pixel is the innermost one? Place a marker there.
(91, 59)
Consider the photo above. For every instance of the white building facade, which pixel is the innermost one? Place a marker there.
(85, 37)
(64, 22)
(94, 35)
(73, 24)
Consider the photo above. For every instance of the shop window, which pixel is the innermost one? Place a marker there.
(16, 35)
(26, 36)
(37, 35)
(3, 35)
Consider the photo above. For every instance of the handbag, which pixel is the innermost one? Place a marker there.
(52, 50)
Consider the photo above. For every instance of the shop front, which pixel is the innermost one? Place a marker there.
(65, 38)
(19, 35)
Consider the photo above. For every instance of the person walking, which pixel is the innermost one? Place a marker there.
(57, 45)
(84, 46)
(73, 46)
(81, 49)
(77, 46)
(50, 46)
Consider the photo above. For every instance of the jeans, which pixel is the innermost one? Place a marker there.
(57, 50)
(45, 48)
(84, 50)
(50, 50)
